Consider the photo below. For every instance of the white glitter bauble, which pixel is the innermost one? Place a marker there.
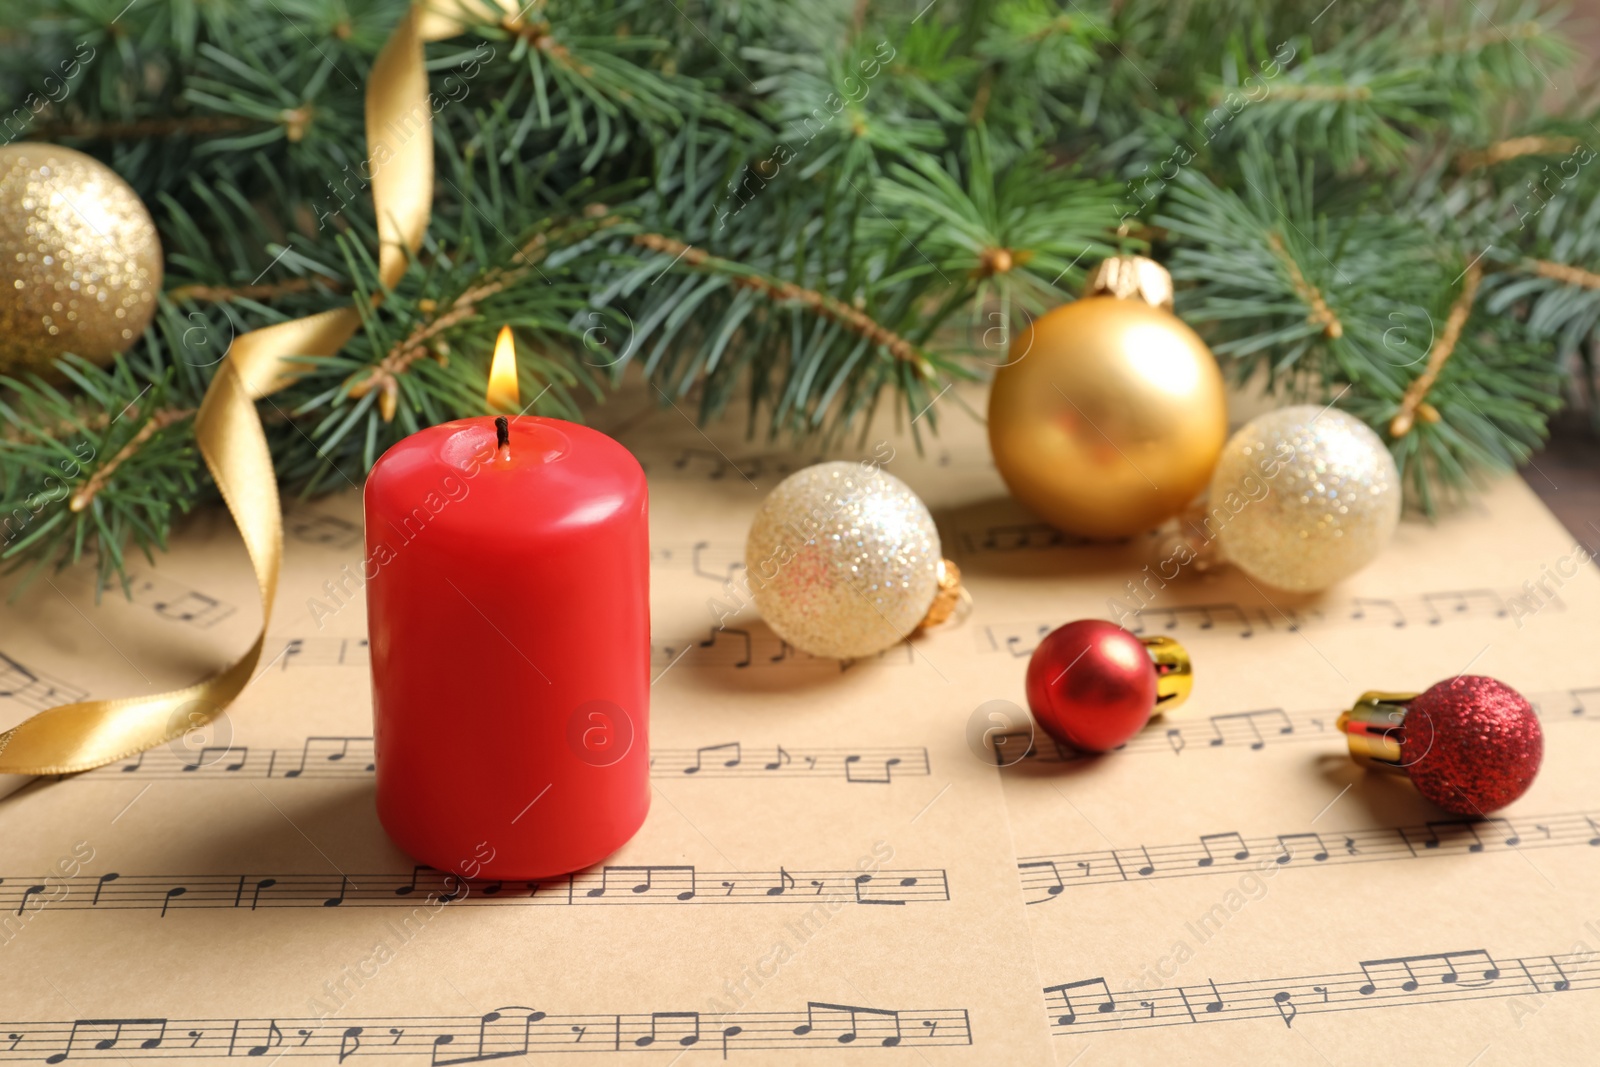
(1303, 497)
(843, 559)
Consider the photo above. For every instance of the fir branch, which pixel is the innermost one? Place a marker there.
(1320, 313)
(158, 421)
(218, 294)
(781, 292)
(1565, 273)
(1414, 402)
(1515, 148)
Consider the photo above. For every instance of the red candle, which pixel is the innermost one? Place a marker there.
(508, 614)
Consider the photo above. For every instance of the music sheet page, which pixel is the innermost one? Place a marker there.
(841, 860)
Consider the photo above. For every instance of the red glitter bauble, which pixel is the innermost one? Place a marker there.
(1472, 745)
(1091, 684)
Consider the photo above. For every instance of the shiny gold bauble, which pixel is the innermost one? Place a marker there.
(80, 262)
(1109, 415)
(843, 560)
(1303, 497)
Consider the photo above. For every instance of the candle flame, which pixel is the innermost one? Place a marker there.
(503, 394)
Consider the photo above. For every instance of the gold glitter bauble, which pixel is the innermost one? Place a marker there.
(843, 559)
(80, 262)
(1303, 497)
(1109, 416)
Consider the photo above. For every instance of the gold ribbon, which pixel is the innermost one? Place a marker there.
(227, 429)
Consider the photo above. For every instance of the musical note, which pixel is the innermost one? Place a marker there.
(851, 1029)
(265, 883)
(1070, 1016)
(1253, 720)
(730, 562)
(1400, 980)
(742, 635)
(314, 742)
(171, 894)
(100, 884)
(700, 754)
(31, 891)
(116, 1026)
(411, 886)
(729, 1032)
(1175, 739)
(1056, 887)
(1412, 981)
(171, 600)
(851, 762)
(189, 607)
(344, 884)
(506, 1032)
(785, 882)
(328, 757)
(317, 529)
(274, 1039)
(866, 879)
(215, 754)
(1044, 877)
(32, 688)
(1393, 615)
(1482, 602)
(1583, 700)
(1200, 616)
(1320, 855)
(526, 1017)
(1241, 853)
(646, 883)
(1466, 825)
(683, 1020)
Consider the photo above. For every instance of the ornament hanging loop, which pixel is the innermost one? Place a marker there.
(1131, 278)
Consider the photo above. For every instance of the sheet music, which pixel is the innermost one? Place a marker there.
(832, 869)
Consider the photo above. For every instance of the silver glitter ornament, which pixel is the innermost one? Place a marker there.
(843, 560)
(1304, 497)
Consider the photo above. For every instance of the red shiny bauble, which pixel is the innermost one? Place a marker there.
(1471, 745)
(1091, 684)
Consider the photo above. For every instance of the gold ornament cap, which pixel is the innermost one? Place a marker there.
(1374, 727)
(948, 596)
(1132, 278)
(1174, 672)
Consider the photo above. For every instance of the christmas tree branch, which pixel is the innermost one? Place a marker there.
(1565, 273)
(1414, 402)
(218, 294)
(84, 495)
(779, 291)
(142, 129)
(1320, 313)
(1515, 148)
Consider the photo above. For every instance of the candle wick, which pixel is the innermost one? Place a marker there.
(502, 433)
